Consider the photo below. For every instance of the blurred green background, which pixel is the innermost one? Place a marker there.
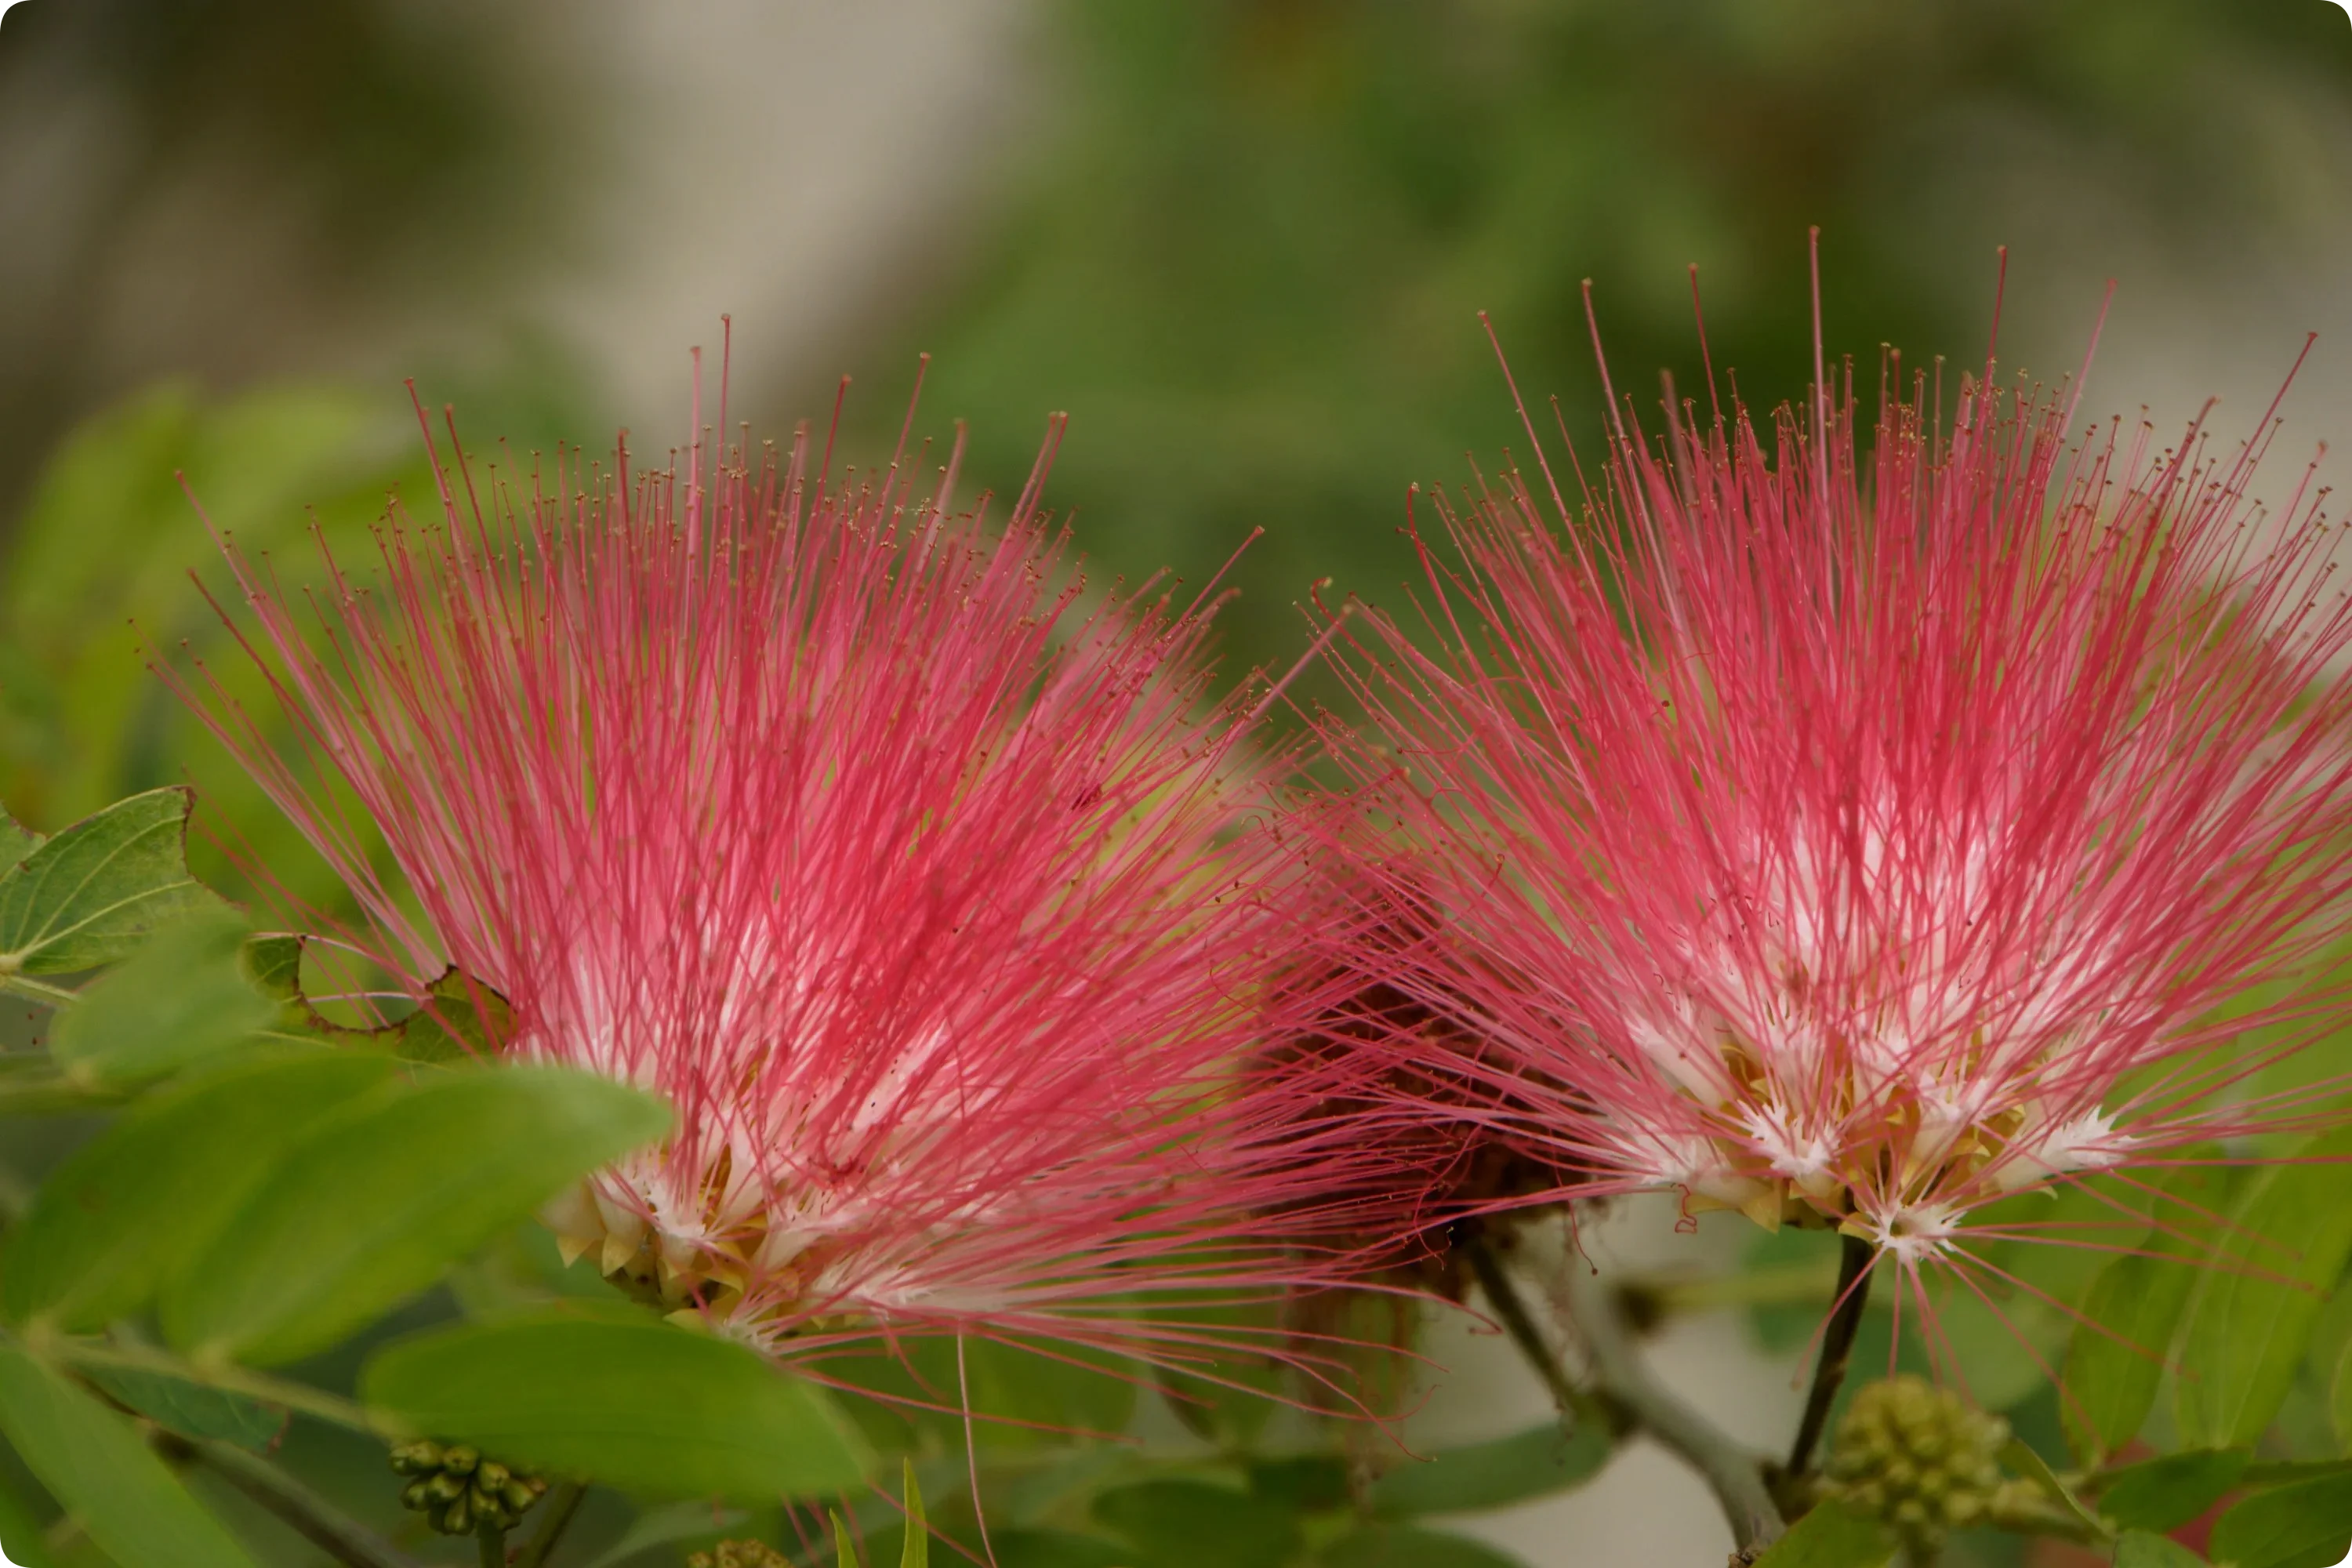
(1244, 243)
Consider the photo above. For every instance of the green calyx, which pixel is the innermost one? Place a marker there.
(461, 1493)
(1920, 1459)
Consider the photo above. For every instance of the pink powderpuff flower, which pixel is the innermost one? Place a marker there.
(1853, 837)
(932, 894)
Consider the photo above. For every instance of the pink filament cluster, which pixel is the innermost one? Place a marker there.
(930, 892)
(1855, 837)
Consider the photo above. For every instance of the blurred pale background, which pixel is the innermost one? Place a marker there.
(1243, 242)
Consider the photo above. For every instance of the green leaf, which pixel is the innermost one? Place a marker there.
(2340, 1400)
(1183, 1524)
(379, 1197)
(135, 1204)
(2167, 1493)
(2286, 1472)
(2130, 1317)
(1230, 1407)
(462, 1020)
(22, 1540)
(917, 1552)
(2253, 1314)
(1832, 1536)
(274, 964)
(1403, 1546)
(630, 1402)
(1536, 1462)
(91, 894)
(2139, 1548)
(178, 1000)
(93, 1462)
(2305, 1525)
(1022, 1396)
(1305, 1483)
(16, 841)
(2022, 1456)
(191, 1409)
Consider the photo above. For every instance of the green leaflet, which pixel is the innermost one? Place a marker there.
(90, 895)
(177, 1001)
(94, 1463)
(2131, 1315)
(377, 1199)
(1533, 1463)
(1831, 1537)
(136, 1204)
(629, 1402)
(2252, 1313)
(2167, 1493)
(2305, 1524)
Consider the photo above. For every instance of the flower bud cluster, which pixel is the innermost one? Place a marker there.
(461, 1493)
(739, 1554)
(1919, 1457)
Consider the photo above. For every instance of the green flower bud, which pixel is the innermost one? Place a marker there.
(460, 1492)
(416, 1459)
(1919, 1457)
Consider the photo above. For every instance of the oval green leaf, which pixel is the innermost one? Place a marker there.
(2167, 1493)
(93, 894)
(2129, 1318)
(1536, 1462)
(1176, 1524)
(2141, 1549)
(381, 1197)
(134, 1205)
(191, 1409)
(92, 1461)
(177, 1001)
(2305, 1525)
(1021, 1395)
(635, 1404)
(2253, 1312)
(1832, 1536)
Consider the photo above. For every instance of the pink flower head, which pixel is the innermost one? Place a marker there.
(1856, 837)
(925, 889)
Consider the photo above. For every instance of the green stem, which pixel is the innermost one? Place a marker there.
(296, 1506)
(298, 1396)
(1730, 1472)
(40, 991)
(562, 1504)
(493, 1542)
(1837, 1348)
